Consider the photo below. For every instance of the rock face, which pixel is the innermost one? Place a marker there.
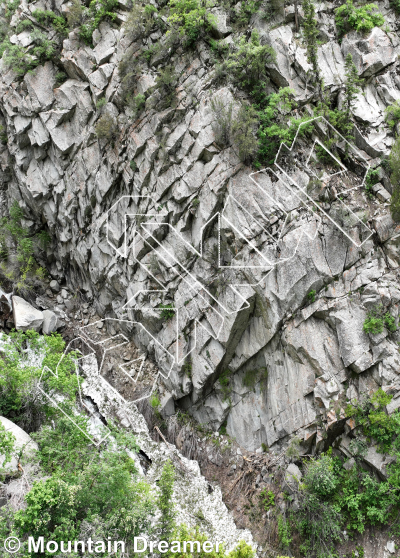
(25, 315)
(266, 292)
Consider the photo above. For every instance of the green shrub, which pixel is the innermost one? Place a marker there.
(377, 319)
(167, 312)
(101, 103)
(293, 450)
(274, 128)
(311, 32)
(155, 402)
(284, 532)
(320, 477)
(106, 488)
(19, 400)
(25, 25)
(243, 133)
(390, 322)
(15, 240)
(75, 14)
(10, 7)
(222, 125)
(3, 135)
(98, 11)
(164, 501)
(50, 19)
(225, 381)
(361, 19)
(394, 163)
(106, 127)
(392, 114)
(16, 59)
(140, 20)
(267, 498)
(395, 4)
(166, 83)
(7, 441)
(319, 523)
(373, 325)
(370, 180)
(61, 77)
(247, 64)
(241, 15)
(311, 296)
(190, 18)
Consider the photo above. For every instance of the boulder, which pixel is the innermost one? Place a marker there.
(218, 25)
(49, 322)
(22, 442)
(25, 315)
(293, 477)
(54, 286)
(385, 227)
(381, 193)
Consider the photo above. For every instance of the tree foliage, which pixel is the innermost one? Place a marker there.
(362, 19)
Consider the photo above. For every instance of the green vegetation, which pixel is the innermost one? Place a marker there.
(101, 103)
(371, 179)
(311, 31)
(392, 114)
(43, 48)
(167, 312)
(239, 131)
(80, 489)
(7, 440)
(241, 16)
(166, 83)
(332, 497)
(246, 65)
(225, 381)
(98, 11)
(75, 14)
(311, 295)
(284, 532)
(155, 402)
(3, 135)
(253, 377)
(361, 19)
(17, 250)
(394, 162)
(107, 127)
(277, 126)
(187, 367)
(243, 132)
(395, 4)
(377, 319)
(352, 89)
(18, 398)
(165, 503)
(183, 533)
(267, 499)
(50, 19)
(190, 19)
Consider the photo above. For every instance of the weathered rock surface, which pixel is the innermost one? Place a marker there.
(264, 357)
